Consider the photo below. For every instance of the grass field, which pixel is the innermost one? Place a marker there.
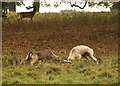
(59, 33)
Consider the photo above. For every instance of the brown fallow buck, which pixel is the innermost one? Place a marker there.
(28, 14)
(44, 55)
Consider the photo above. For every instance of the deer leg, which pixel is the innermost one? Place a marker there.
(79, 57)
(31, 18)
(94, 59)
(88, 58)
(22, 61)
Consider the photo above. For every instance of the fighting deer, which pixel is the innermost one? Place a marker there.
(44, 55)
(81, 51)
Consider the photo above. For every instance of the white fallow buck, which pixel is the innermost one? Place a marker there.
(81, 51)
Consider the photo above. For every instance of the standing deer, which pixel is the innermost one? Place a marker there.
(28, 14)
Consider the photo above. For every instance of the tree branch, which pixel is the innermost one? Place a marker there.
(79, 6)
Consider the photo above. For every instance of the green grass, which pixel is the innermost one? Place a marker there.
(49, 73)
(59, 33)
